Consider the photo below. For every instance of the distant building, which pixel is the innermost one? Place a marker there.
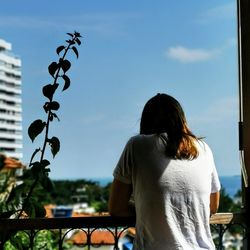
(10, 102)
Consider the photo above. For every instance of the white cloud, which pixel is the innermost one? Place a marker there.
(193, 55)
(186, 55)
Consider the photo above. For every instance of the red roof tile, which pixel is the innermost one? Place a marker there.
(98, 237)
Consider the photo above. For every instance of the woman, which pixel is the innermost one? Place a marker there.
(173, 179)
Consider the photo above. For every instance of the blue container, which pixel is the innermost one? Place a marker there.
(62, 212)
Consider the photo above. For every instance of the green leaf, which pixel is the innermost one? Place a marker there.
(68, 41)
(35, 129)
(54, 105)
(49, 90)
(55, 145)
(78, 41)
(44, 163)
(16, 242)
(59, 49)
(47, 170)
(65, 64)
(33, 155)
(76, 51)
(40, 211)
(52, 116)
(29, 209)
(46, 183)
(53, 67)
(66, 82)
(21, 188)
(34, 209)
(26, 175)
(36, 169)
(51, 106)
(55, 116)
(77, 34)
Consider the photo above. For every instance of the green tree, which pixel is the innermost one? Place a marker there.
(226, 202)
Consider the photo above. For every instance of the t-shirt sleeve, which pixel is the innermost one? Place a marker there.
(215, 185)
(215, 181)
(123, 169)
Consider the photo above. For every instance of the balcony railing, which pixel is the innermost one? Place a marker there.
(116, 226)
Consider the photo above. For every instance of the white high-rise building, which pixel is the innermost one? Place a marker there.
(10, 102)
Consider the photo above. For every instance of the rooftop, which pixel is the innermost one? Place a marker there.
(4, 45)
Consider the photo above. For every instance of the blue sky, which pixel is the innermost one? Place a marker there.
(131, 50)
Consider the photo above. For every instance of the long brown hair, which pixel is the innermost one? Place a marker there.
(164, 114)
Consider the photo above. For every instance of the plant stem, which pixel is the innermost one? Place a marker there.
(46, 133)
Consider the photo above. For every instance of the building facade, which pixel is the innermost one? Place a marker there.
(10, 102)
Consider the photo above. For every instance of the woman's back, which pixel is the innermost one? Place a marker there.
(171, 196)
(172, 176)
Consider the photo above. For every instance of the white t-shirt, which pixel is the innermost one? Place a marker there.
(171, 196)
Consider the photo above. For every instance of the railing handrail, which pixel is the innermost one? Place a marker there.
(88, 225)
(70, 222)
(228, 218)
(98, 221)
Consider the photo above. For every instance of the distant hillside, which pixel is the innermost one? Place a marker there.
(231, 183)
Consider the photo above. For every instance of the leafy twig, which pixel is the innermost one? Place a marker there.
(39, 169)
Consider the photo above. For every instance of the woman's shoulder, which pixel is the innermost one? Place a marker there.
(203, 146)
(142, 139)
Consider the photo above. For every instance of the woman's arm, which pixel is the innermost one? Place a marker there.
(119, 199)
(214, 202)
